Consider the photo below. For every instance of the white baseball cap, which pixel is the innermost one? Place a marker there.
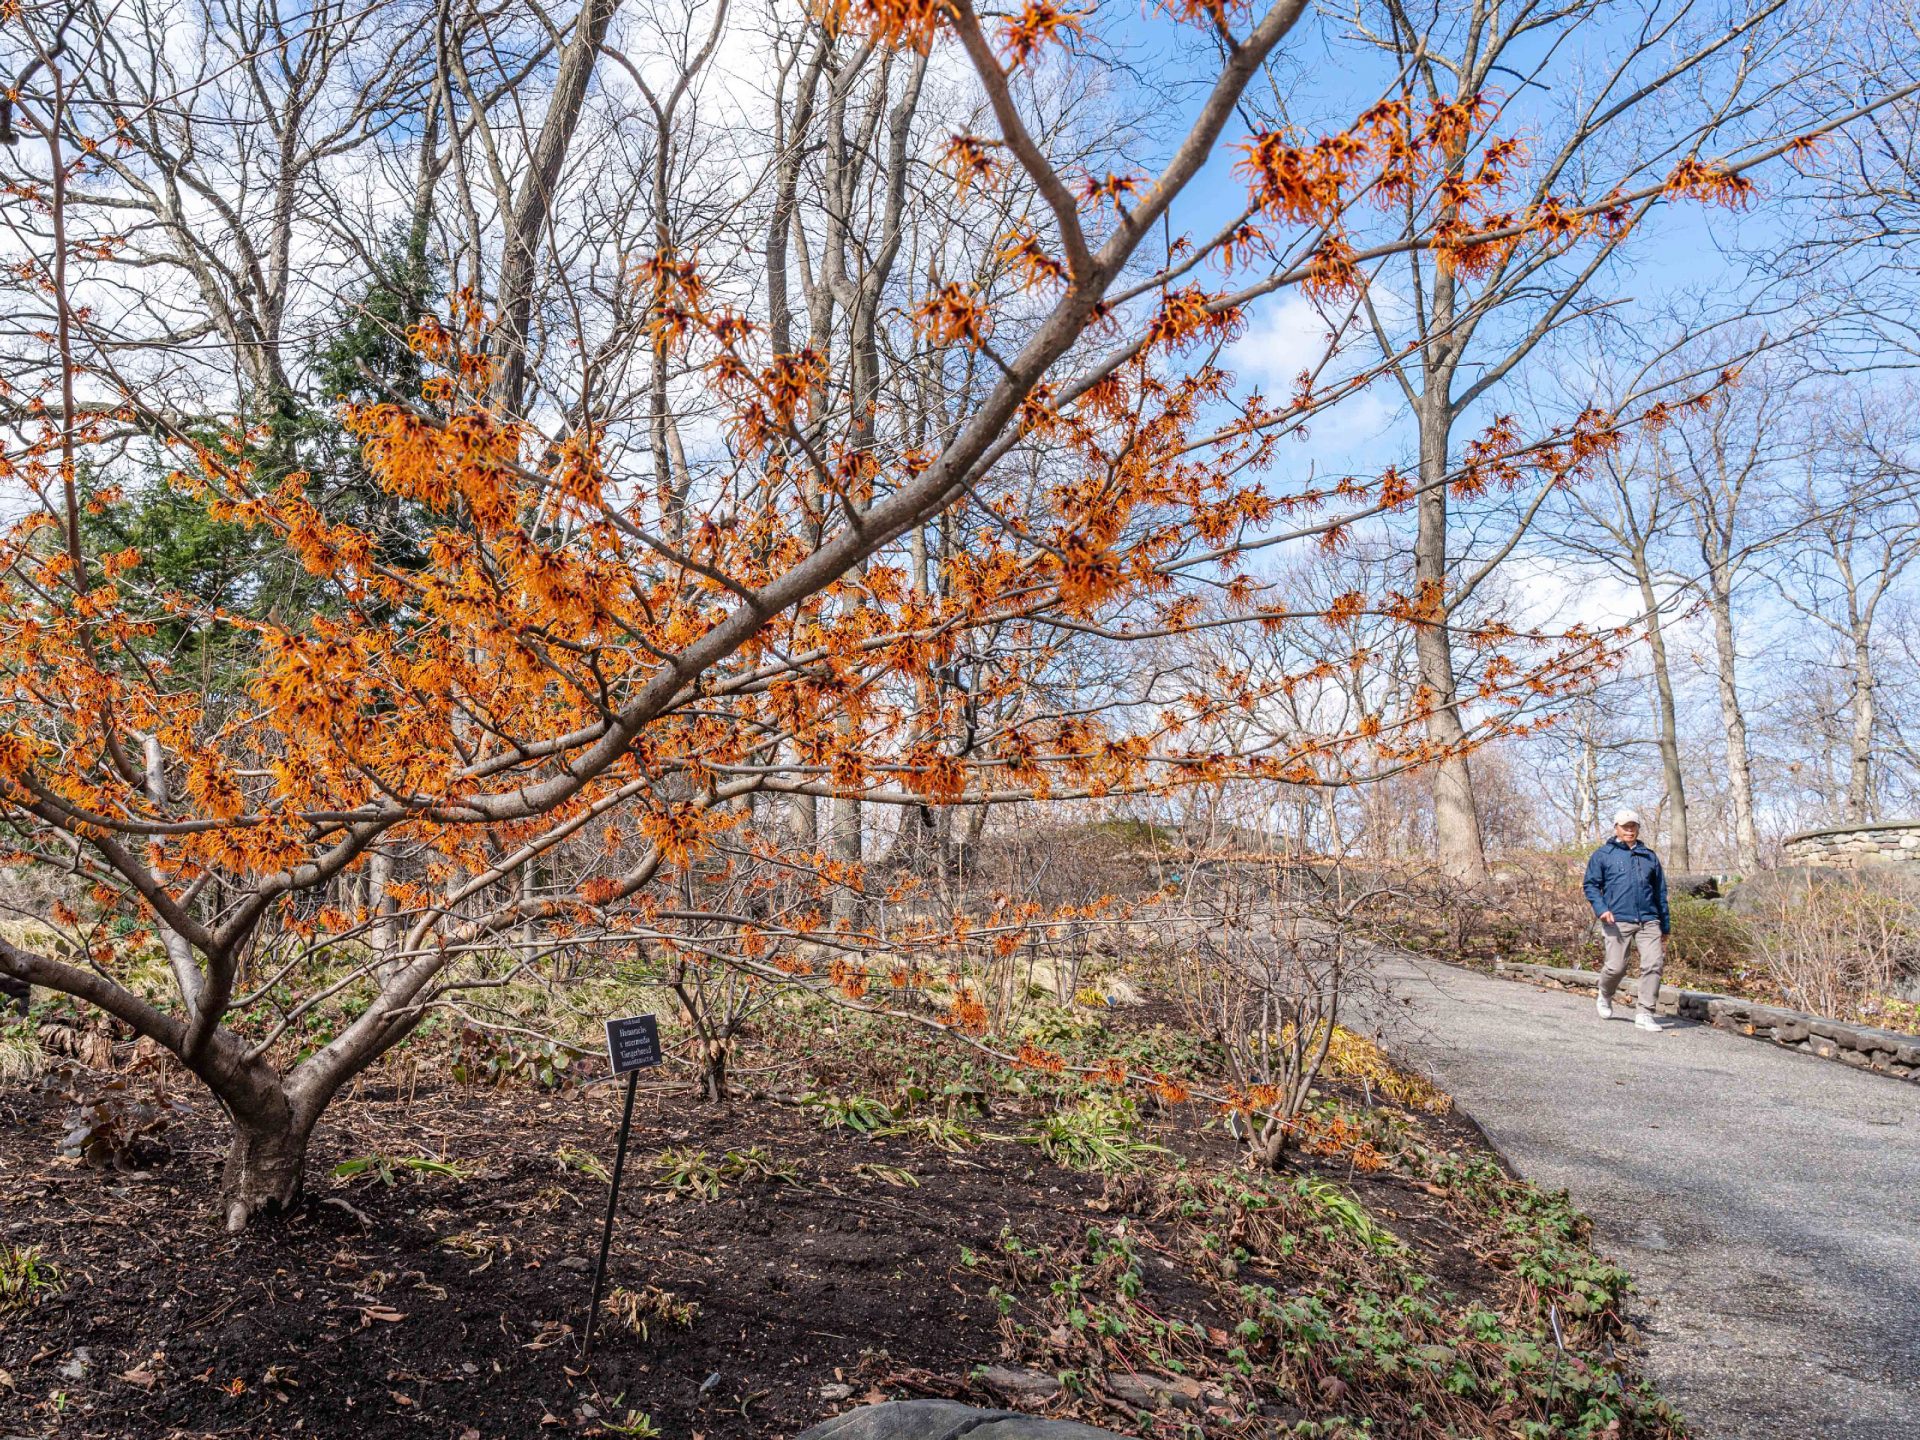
(1627, 817)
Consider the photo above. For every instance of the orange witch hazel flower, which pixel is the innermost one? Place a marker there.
(1697, 179)
(848, 978)
(953, 314)
(911, 23)
(969, 1015)
(1034, 1058)
(970, 160)
(1171, 1090)
(1038, 22)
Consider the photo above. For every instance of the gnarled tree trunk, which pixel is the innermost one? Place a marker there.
(272, 1122)
(266, 1162)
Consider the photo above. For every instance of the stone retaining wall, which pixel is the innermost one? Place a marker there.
(1855, 847)
(1865, 1047)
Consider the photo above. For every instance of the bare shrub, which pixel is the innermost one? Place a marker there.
(1533, 908)
(1834, 944)
(1710, 944)
(1264, 979)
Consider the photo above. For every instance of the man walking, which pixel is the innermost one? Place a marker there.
(1628, 892)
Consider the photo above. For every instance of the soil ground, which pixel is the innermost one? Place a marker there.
(436, 1285)
(450, 1305)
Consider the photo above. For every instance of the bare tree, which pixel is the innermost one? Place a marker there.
(1266, 978)
(1859, 530)
(1726, 469)
(1686, 82)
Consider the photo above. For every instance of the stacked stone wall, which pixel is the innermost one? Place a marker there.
(1855, 848)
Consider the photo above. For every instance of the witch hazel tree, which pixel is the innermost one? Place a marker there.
(856, 559)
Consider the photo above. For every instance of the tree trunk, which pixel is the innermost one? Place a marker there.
(1679, 844)
(1586, 782)
(803, 820)
(1860, 805)
(1456, 819)
(975, 827)
(713, 1074)
(1270, 1147)
(1733, 719)
(847, 848)
(266, 1161)
(532, 206)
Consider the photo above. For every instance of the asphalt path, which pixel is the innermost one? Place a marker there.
(1767, 1202)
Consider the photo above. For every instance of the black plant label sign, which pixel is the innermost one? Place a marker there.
(633, 1043)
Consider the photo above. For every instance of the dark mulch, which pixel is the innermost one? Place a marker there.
(450, 1307)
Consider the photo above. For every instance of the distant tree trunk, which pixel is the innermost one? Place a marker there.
(179, 953)
(846, 847)
(975, 827)
(803, 820)
(1456, 818)
(380, 905)
(1732, 718)
(532, 205)
(1860, 806)
(1679, 843)
(1586, 783)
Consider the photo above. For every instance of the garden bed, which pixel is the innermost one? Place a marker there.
(773, 1265)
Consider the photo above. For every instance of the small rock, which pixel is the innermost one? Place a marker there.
(835, 1391)
(1009, 1380)
(1149, 1392)
(576, 1262)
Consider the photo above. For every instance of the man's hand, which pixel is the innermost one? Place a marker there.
(1606, 917)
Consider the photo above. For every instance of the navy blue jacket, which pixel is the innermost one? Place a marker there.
(1628, 880)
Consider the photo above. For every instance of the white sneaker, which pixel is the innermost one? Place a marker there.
(1644, 1021)
(1604, 1006)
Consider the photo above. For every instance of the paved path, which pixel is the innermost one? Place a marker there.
(1767, 1202)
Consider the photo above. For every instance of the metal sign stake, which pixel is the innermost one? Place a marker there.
(633, 1045)
(606, 1234)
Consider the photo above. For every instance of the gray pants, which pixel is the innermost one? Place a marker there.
(1646, 937)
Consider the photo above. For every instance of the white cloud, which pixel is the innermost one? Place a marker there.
(1553, 590)
(1289, 333)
